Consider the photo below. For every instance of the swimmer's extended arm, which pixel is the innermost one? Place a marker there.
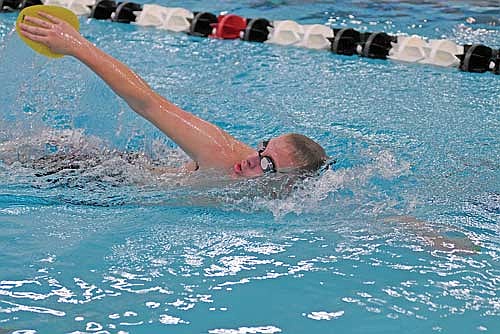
(434, 236)
(205, 143)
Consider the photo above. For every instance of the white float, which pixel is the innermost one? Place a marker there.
(168, 18)
(442, 52)
(409, 48)
(316, 37)
(285, 33)
(79, 7)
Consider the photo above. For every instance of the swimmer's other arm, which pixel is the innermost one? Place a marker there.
(208, 145)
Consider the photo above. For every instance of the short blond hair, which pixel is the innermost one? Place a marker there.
(308, 154)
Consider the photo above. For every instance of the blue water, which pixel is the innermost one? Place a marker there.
(110, 247)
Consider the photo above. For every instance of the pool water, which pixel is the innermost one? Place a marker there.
(110, 247)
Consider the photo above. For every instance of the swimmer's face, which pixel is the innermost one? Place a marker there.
(277, 152)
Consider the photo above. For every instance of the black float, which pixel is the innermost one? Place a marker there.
(103, 9)
(476, 58)
(375, 45)
(256, 30)
(345, 41)
(124, 13)
(9, 5)
(201, 24)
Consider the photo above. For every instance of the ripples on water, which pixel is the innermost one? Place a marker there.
(147, 267)
(167, 273)
(91, 240)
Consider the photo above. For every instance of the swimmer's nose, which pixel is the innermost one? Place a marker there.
(253, 161)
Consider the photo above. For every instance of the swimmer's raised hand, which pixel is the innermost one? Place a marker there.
(58, 35)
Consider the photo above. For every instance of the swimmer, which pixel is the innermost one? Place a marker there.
(207, 145)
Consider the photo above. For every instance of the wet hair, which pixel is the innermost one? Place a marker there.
(310, 156)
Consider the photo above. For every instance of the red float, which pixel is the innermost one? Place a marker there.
(228, 27)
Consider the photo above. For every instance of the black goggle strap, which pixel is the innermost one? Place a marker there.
(262, 146)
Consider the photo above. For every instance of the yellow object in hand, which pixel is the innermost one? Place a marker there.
(59, 12)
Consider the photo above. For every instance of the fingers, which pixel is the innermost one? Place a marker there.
(34, 37)
(38, 22)
(51, 18)
(36, 31)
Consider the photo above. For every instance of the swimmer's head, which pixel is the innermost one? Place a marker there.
(289, 153)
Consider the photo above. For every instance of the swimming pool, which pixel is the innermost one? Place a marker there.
(110, 247)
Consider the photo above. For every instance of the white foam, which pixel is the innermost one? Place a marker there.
(312, 195)
(322, 315)
(19, 307)
(170, 320)
(53, 158)
(247, 330)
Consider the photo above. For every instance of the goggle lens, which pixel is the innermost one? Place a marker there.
(266, 163)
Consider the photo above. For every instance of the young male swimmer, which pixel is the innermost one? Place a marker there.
(207, 145)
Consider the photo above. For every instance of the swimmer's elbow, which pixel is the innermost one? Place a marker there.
(145, 106)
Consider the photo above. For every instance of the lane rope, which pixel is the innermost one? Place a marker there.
(477, 58)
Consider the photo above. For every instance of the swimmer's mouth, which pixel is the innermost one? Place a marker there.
(237, 168)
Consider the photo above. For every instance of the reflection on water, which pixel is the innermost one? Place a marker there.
(177, 273)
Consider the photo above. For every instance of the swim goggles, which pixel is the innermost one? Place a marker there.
(266, 163)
